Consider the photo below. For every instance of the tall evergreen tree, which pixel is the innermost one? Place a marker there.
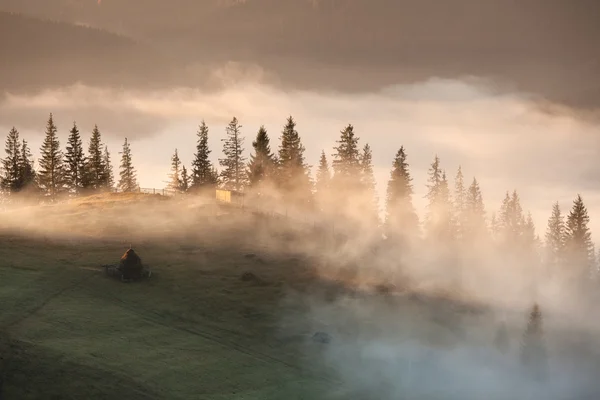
(185, 180)
(175, 175)
(323, 175)
(439, 219)
(128, 181)
(293, 176)
(511, 221)
(533, 349)
(578, 239)
(262, 163)
(28, 174)
(95, 169)
(75, 162)
(400, 213)
(51, 175)
(346, 162)
(474, 225)
(369, 185)
(460, 198)
(12, 178)
(202, 169)
(109, 181)
(233, 174)
(555, 239)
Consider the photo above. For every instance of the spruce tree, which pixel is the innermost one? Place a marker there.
(51, 175)
(95, 169)
(533, 350)
(185, 180)
(74, 162)
(261, 167)
(233, 174)
(400, 213)
(202, 169)
(439, 220)
(293, 176)
(323, 182)
(28, 174)
(460, 198)
(368, 185)
(346, 162)
(578, 239)
(555, 239)
(128, 181)
(12, 178)
(511, 221)
(109, 181)
(474, 225)
(174, 183)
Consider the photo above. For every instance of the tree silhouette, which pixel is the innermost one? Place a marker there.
(51, 175)
(75, 162)
(533, 349)
(128, 179)
(234, 174)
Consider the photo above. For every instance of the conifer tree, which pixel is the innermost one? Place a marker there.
(234, 173)
(460, 196)
(323, 175)
(511, 221)
(175, 175)
(262, 163)
(369, 185)
(400, 213)
(12, 178)
(109, 181)
(75, 162)
(28, 174)
(128, 181)
(555, 238)
(95, 169)
(202, 169)
(578, 239)
(185, 180)
(439, 210)
(533, 350)
(51, 175)
(474, 213)
(293, 175)
(346, 162)
(494, 227)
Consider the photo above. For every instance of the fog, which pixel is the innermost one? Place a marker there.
(507, 141)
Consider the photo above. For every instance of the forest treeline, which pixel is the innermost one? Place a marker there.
(344, 188)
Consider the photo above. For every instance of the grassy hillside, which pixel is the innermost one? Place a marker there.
(229, 312)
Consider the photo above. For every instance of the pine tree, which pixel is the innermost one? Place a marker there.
(26, 167)
(202, 169)
(74, 161)
(294, 177)
(323, 183)
(369, 185)
(578, 239)
(494, 227)
(474, 225)
(262, 163)
(175, 175)
(346, 162)
(533, 350)
(185, 180)
(439, 210)
(109, 181)
(555, 239)
(95, 169)
(460, 196)
(511, 221)
(400, 213)
(128, 181)
(51, 175)
(234, 175)
(12, 179)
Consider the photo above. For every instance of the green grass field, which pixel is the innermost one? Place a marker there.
(193, 330)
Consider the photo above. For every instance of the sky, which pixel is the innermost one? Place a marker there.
(510, 91)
